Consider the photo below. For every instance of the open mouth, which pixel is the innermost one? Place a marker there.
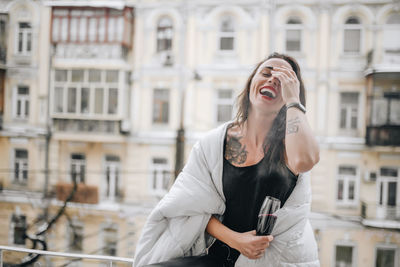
(268, 92)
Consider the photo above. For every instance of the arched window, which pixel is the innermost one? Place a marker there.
(164, 34)
(227, 34)
(294, 28)
(391, 38)
(352, 35)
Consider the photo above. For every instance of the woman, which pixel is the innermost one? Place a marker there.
(266, 151)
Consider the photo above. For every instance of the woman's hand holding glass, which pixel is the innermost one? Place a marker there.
(251, 245)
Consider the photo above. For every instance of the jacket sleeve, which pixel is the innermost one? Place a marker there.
(180, 218)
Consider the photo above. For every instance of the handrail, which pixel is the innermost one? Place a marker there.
(63, 254)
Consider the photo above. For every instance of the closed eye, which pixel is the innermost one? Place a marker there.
(266, 74)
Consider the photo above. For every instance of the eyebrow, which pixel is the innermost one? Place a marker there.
(268, 67)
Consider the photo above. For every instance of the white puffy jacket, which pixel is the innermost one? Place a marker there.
(176, 226)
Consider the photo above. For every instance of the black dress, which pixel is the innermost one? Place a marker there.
(245, 189)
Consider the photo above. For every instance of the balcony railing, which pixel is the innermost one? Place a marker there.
(386, 135)
(374, 211)
(89, 126)
(84, 193)
(71, 257)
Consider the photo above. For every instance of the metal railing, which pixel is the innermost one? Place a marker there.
(109, 260)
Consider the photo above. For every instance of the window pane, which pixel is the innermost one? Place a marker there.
(20, 42)
(77, 75)
(111, 29)
(161, 106)
(55, 29)
(64, 29)
(72, 100)
(98, 100)
(349, 98)
(61, 75)
(347, 170)
(23, 90)
(226, 43)
(395, 111)
(351, 190)
(389, 172)
(85, 100)
(112, 100)
(379, 111)
(21, 154)
(19, 225)
(224, 113)
(92, 29)
(94, 76)
(344, 256)
(340, 190)
(385, 258)
(82, 29)
(112, 76)
(343, 115)
(58, 99)
(73, 29)
(29, 42)
(102, 29)
(352, 40)
(293, 40)
(392, 189)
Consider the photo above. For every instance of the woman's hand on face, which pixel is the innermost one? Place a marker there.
(290, 85)
(251, 245)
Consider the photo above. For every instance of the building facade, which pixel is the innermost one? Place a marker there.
(95, 93)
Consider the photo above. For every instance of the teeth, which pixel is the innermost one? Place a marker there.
(268, 92)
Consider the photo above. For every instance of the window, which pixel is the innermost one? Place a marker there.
(20, 166)
(90, 25)
(21, 109)
(227, 35)
(75, 236)
(224, 105)
(348, 111)
(24, 38)
(87, 92)
(161, 176)
(352, 36)
(347, 192)
(344, 256)
(388, 186)
(385, 257)
(112, 176)
(78, 164)
(164, 34)
(293, 34)
(18, 229)
(161, 106)
(110, 239)
(391, 35)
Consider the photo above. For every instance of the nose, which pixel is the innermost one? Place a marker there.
(274, 81)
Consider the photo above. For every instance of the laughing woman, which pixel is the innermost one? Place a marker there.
(209, 216)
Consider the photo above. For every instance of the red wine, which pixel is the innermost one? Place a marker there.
(266, 223)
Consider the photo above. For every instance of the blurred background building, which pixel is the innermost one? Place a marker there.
(106, 98)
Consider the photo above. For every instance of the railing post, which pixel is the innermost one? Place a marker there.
(110, 264)
(1, 258)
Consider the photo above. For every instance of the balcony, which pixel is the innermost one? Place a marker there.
(12, 255)
(88, 126)
(386, 135)
(84, 193)
(382, 216)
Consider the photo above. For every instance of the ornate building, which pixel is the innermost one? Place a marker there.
(96, 91)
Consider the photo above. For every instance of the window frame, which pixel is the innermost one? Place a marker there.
(164, 30)
(92, 86)
(157, 175)
(346, 181)
(227, 34)
(349, 115)
(218, 101)
(160, 103)
(25, 33)
(387, 247)
(113, 227)
(81, 178)
(111, 193)
(348, 26)
(25, 167)
(12, 229)
(69, 234)
(345, 243)
(24, 99)
(294, 26)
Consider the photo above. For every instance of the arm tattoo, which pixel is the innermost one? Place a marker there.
(293, 125)
(235, 153)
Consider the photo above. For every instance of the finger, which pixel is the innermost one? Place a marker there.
(281, 74)
(288, 71)
(252, 232)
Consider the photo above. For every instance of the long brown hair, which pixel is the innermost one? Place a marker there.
(276, 136)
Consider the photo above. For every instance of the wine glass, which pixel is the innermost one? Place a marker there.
(266, 218)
